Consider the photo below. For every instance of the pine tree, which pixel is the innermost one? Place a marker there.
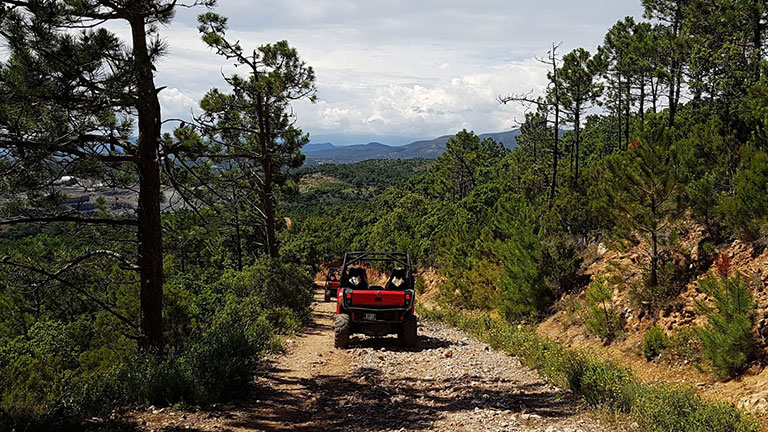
(728, 340)
(254, 124)
(643, 185)
(580, 90)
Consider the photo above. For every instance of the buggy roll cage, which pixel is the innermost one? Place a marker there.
(397, 257)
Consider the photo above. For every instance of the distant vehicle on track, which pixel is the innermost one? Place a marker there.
(332, 283)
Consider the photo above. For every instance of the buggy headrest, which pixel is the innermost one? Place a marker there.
(357, 276)
(397, 278)
(398, 273)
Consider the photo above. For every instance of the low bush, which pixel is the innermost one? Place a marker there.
(601, 319)
(666, 409)
(275, 284)
(602, 384)
(420, 284)
(728, 341)
(685, 346)
(654, 342)
(217, 332)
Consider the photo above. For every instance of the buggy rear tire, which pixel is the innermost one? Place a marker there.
(341, 327)
(408, 333)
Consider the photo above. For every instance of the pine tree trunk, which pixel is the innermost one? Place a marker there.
(628, 111)
(150, 232)
(238, 236)
(618, 111)
(556, 149)
(674, 85)
(265, 136)
(757, 37)
(654, 259)
(577, 132)
(641, 109)
(555, 154)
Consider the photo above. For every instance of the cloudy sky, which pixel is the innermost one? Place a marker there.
(395, 70)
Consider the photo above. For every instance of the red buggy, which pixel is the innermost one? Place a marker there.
(376, 310)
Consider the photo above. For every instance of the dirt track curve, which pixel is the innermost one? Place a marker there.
(450, 383)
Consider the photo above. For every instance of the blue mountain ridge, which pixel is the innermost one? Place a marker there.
(318, 153)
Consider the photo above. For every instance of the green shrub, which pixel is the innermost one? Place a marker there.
(728, 341)
(685, 345)
(654, 342)
(420, 285)
(664, 409)
(275, 284)
(62, 372)
(221, 363)
(601, 319)
(283, 320)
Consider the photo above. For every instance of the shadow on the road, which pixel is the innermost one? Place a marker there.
(367, 401)
(393, 344)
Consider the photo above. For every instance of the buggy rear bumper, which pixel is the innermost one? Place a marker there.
(364, 315)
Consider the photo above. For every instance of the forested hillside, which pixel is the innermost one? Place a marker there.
(631, 215)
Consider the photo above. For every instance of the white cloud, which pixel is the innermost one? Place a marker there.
(395, 67)
(176, 104)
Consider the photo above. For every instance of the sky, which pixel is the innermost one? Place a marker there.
(394, 70)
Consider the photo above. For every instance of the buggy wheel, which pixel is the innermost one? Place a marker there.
(408, 334)
(327, 295)
(342, 330)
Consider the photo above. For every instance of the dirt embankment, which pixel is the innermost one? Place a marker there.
(450, 383)
(749, 391)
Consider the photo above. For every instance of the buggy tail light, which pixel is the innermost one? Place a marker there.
(407, 297)
(349, 296)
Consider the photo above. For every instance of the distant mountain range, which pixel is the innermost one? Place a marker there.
(319, 153)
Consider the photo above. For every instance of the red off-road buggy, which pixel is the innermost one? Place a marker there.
(376, 310)
(332, 283)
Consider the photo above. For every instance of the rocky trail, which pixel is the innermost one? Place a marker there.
(452, 382)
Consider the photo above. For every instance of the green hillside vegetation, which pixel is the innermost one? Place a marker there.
(336, 185)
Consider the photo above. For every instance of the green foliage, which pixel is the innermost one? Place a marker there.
(664, 409)
(274, 284)
(601, 319)
(420, 284)
(644, 184)
(466, 164)
(217, 331)
(525, 291)
(655, 341)
(728, 341)
(745, 211)
(684, 345)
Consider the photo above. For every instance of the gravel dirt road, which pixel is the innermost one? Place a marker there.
(450, 383)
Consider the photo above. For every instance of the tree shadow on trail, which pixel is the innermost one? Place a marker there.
(394, 345)
(365, 400)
